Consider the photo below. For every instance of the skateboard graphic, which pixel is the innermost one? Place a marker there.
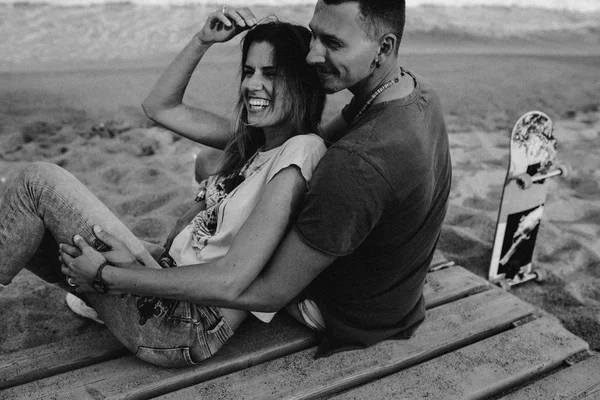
(531, 162)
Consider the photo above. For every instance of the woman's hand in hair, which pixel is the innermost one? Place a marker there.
(224, 24)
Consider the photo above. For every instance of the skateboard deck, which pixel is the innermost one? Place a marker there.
(531, 163)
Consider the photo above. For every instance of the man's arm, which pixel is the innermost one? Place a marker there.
(218, 283)
(293, 266)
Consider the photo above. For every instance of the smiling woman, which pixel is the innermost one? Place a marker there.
(258, 91)
(171, 310)
(280, 95)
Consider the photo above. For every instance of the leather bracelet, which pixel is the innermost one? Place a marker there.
(99, 284)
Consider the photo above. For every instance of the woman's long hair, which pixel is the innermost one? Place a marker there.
(296, 83)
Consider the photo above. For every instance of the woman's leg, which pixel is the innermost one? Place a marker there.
(46, 205)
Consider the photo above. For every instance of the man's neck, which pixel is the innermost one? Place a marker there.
(364, 89)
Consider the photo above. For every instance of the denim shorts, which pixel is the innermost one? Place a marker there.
(202, 331)
(164, 332)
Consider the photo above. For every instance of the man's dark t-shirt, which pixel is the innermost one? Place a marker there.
(377, 201)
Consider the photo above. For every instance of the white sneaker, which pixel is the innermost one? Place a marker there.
(80, 308)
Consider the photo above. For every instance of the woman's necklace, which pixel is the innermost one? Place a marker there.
(246, 166)
(373, 96)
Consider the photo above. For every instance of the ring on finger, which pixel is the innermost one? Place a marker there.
(224, 9)
(71, 282)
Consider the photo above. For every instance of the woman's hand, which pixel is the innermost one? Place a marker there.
(117, 255)
(80, 263)
(222, 25)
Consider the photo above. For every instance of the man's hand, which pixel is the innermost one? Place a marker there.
(224, 24)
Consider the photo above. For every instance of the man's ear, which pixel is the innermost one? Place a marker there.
(387, 44)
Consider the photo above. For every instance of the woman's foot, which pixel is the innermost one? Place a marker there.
(79, 307)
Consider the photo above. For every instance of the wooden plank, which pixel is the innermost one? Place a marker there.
(482, 369)
(299, 376)
(45, 361)
(578, 382)
(120, 378)
(446, 285)
(439, 261)
(39, 362)
(253, 343)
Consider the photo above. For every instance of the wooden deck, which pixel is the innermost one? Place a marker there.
(477, 342)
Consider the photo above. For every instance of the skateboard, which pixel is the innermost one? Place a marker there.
(532, 161)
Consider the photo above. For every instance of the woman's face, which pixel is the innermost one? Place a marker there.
(258, 87)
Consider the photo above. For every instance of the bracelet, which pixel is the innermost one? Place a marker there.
(99, 284)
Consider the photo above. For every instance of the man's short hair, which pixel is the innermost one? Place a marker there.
(380, 16)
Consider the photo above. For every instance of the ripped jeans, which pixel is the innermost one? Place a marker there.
(46, 205)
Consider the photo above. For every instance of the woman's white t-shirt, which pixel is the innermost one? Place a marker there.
(303, 151)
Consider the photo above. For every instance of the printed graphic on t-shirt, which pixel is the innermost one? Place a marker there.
(205, 222)
(217, 188)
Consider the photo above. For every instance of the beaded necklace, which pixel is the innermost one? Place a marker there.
(373, 96)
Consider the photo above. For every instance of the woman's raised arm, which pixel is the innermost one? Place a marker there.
(164, 104)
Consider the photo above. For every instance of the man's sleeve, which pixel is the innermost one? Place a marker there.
(346, 199)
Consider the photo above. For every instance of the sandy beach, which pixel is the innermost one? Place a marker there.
(72, 81)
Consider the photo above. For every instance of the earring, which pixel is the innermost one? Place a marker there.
(377, 65)
(402, 73)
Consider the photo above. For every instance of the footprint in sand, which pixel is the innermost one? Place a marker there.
(147, 175)
(480, 203)
(116, 175)
(585, 186)
(147, 201)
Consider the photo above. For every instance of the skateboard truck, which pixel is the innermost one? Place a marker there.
(524, 181)
(538, 275)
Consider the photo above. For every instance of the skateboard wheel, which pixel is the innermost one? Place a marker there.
(504, 284)
(540, 275)
(524, 181)
(564, 170)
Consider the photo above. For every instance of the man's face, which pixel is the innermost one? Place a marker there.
(340, 47)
